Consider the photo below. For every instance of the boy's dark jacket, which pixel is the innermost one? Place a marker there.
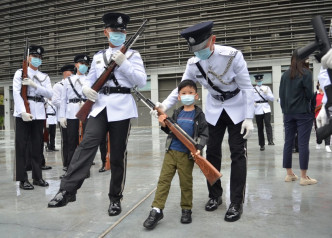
(201, 130)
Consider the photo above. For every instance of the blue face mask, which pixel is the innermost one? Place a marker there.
(36, 62)
(117, 38)
(260, 83)
(203, 54)
(187, 99)
(83, 68)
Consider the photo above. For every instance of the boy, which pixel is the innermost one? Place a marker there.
(177, 157)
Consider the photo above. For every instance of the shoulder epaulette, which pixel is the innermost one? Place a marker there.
(228, 52)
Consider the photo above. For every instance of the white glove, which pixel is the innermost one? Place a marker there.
(321, 119)
(327, 60)
(63, 122)
(26, 116)
(91, 94)
(248, 126)
(161, 107)
(29, 82)
(47, 125)
(119, 57)
(265, 91)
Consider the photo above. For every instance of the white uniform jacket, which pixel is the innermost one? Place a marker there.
(130, 73)
(324, 80)
(50, 110)
(56, 99)
(261, 108)
(69, 109)
(227, 70)
(44, 89)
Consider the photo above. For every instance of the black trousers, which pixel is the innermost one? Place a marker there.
(25, 131)
(64, 146)
(72, 137)
(238, 150)
(261, 120)
(51, 132)
(95, 132)
(103, 150)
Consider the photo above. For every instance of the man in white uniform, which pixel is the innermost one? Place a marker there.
(262, 96)
(29, 126)
(223, 71)
(113, 108)
(66, 70)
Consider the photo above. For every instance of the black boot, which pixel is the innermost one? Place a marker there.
(153, 219)
(62, 198)
(213, 204)
(114, 208)
(186, 216)
(234, 212)
(102, 169)
(26, 185)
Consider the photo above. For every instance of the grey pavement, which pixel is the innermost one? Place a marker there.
(272, 208)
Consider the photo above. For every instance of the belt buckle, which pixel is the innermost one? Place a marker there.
(107, 91)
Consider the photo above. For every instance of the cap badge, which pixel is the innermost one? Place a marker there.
(85, 58)
(38, 50)
(191, 40)
(119, 20)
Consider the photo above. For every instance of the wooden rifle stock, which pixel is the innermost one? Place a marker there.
(83, 113)
(24, 88)
(108, 155)
(209, 171)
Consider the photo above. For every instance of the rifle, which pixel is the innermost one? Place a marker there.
(83, 113)
(209, 171)
(108, 155)
(24, 89)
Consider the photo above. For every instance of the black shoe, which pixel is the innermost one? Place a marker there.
(93, 163)
(26, 185)
(45, 167)
(62, 176)
(262, 148)
(41, 182)
(48, 149)
(102, 169)
(153, 219)
(271, 143)
(65, 168)
(53, 149)
(213, 204)
(186, 216)
(114, 208)
(234, 212)
(61, 199)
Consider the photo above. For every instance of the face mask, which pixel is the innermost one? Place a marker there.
(83, 68)
(259, 83)
(187, 99)
(36, 62)
(117, 38)
(203, 54)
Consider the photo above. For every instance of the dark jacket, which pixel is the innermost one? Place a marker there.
(201, 131)
(296, 94)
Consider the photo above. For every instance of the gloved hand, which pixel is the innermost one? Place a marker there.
(29, 82)
(26, 116)
(161, 107)
(248, 126)
(321, 119)
(327, 60)
(91, 94)
(63, 122)
(47, 125)
(265, 90)
(119, 57)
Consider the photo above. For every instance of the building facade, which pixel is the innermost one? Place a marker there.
(266, 31)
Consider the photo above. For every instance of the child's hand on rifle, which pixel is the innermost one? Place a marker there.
(198, 152)
(161, 120)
